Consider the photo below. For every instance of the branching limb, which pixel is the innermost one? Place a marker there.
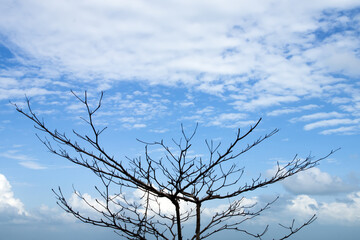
(176, 177)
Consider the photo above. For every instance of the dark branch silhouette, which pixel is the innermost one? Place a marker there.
(176, 178)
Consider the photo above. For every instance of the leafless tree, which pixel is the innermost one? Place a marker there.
(176, 178)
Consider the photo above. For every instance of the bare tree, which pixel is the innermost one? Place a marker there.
(177, 178)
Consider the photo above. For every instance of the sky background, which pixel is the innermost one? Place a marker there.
(222, 64)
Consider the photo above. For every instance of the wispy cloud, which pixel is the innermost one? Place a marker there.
(319, 115)
(32, 165)
(330, 123)
(14, 154)
(342, 130)
(292, 110)
(159, 130)
(229, 120)
(24, 160)
(264, 101)
(6, 94)
(136, 126)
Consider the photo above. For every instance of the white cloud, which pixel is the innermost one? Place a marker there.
(330, 122)
(245, 202)
(292, 110)
(230, 120)
(264, 101)
(7, 82)
(159, 204)
(201, 115)
(340, 100)
(162, 205)
(8, 203)
(32, 165)
(80, 205)
(343, 211)
(24, 160)
(139, 125)
(341, 130)
(343, 61)
(6, 94)
(133, 111)
(159, 130)
(231, 116)
(340, 212)
(48, 215)
(186, 104)
(303, 205)
(136, 197)
(347, 211)
(258, 50)
(252, 56)
(77, 107)
(207, 110)
(314, 181)
(128, 119)
(211, 88)
(319, 115)
(13, 154)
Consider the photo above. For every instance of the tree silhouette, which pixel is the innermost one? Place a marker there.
(186, 182)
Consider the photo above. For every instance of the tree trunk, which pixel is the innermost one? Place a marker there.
(198, 211)
(178, 219)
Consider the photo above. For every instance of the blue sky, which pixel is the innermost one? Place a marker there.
(222, 64)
